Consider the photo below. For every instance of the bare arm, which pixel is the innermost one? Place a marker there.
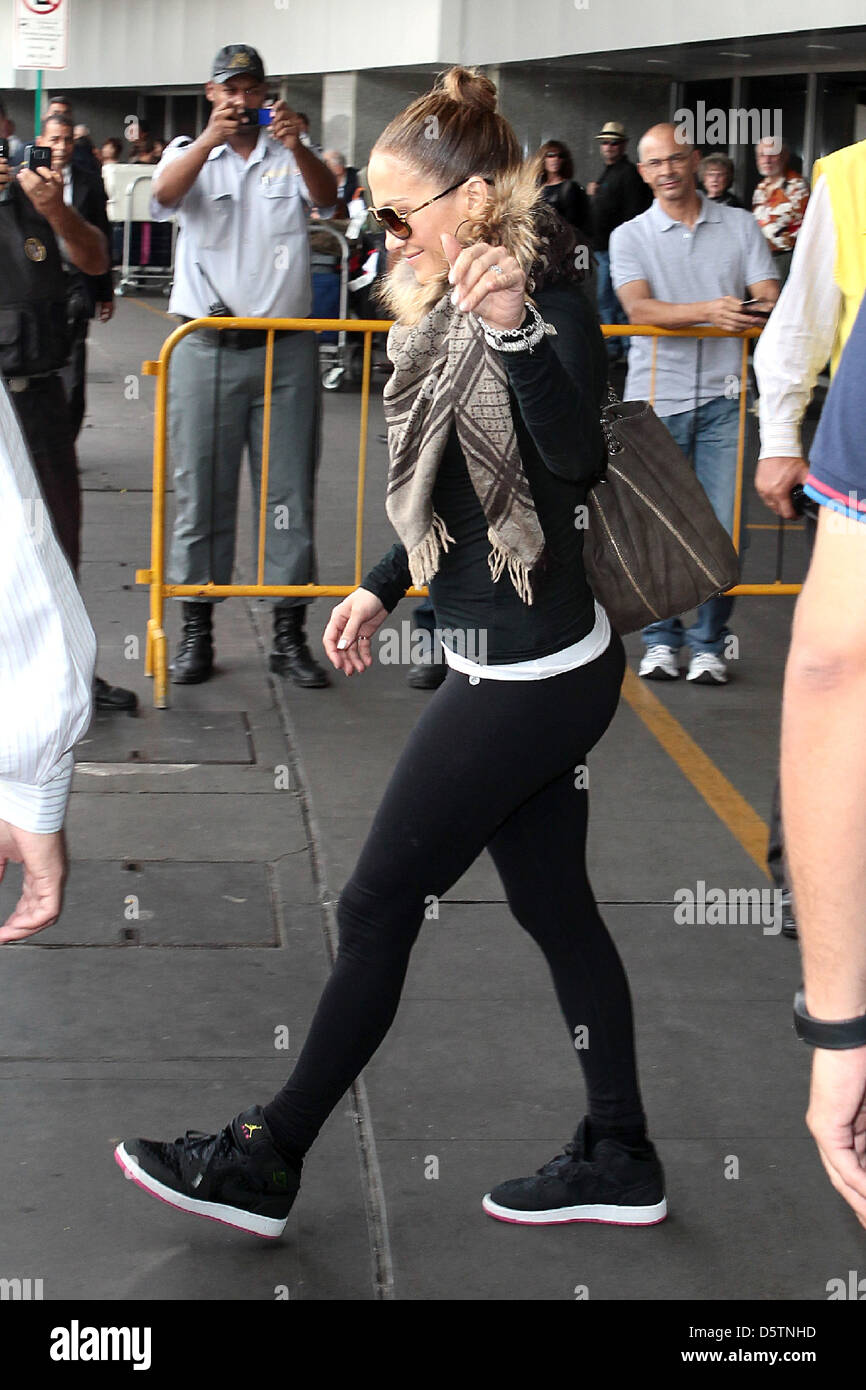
(86, 245)
(766, 290)
(824, 811)
(824, 769)
(636, 299)
(173, 182)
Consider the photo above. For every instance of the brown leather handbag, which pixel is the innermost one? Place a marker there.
(654, 547)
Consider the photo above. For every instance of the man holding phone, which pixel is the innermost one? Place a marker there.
(241, 194)
(688, 262)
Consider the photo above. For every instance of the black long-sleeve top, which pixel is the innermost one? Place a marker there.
(556, 394)
(620, 196)
(571, 202)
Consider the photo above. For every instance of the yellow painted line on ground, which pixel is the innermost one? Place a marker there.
(139, 304)
(732, 809)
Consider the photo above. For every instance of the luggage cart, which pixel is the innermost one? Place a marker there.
(129, 187)
(330, 300)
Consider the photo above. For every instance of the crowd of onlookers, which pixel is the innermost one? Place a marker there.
(619, 193)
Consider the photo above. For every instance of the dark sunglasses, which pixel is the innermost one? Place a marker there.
(397, 223)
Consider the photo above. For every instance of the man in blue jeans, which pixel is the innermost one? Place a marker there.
(688, 261)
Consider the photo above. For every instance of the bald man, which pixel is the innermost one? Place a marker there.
(686, 262)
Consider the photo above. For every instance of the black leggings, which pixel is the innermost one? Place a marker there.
(488, 765)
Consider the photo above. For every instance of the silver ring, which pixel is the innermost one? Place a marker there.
(497, 269)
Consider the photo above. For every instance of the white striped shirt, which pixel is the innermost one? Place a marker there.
(47, 647)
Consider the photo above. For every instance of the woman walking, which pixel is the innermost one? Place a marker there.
(494, 435)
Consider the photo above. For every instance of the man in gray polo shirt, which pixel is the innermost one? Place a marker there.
(240, 193)
(689, 261)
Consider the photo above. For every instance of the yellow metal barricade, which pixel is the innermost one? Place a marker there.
(156, 659)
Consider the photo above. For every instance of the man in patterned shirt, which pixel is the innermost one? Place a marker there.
(779, 202)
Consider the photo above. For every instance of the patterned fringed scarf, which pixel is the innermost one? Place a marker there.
(444, 372)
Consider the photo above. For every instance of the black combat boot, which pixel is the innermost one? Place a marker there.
(291, 656)
(194, 660)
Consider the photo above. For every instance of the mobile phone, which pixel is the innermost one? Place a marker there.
(37, 157)
(802, 503)
(4, 149)
(257, 115)
(747, 306)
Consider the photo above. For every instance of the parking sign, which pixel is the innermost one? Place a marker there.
(41, 33)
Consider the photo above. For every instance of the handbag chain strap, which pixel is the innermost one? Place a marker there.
(612, 444)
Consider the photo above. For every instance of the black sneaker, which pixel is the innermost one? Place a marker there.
(236, 1176)
(608, 1183)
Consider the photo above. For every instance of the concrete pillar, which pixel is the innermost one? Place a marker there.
(339, 101)
(810, 124)
(739, 153)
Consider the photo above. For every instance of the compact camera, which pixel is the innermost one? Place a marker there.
(37, 157)
(257, 115)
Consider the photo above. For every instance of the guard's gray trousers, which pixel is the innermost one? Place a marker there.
(216, 408)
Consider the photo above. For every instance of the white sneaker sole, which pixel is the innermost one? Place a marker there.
(268, 1226)
(707, 678)
(658, 673)
(560, 1216)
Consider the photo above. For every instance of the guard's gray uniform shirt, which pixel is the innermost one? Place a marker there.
(245, 222)
(723, 253)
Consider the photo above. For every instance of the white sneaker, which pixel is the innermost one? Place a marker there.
(660, 664)
(707, 669)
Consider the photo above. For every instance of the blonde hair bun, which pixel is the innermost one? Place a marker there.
(469, 86)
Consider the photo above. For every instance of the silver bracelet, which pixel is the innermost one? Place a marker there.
(522, 339)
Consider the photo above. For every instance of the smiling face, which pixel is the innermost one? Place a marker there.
(667, 165)
(393, 184)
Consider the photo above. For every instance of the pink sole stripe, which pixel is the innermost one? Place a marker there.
(575, 1221)
(127, 1173)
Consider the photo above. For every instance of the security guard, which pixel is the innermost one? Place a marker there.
(240, 193)
(34, 344)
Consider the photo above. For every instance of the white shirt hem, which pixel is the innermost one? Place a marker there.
(567, 659)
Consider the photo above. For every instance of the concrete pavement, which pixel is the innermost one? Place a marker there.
(209, 843)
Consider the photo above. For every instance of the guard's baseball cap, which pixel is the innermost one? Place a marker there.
(237, 60)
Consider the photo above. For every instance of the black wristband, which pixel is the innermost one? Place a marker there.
(835, 1035)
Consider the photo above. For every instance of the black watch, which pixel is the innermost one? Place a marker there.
(836, 1035)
